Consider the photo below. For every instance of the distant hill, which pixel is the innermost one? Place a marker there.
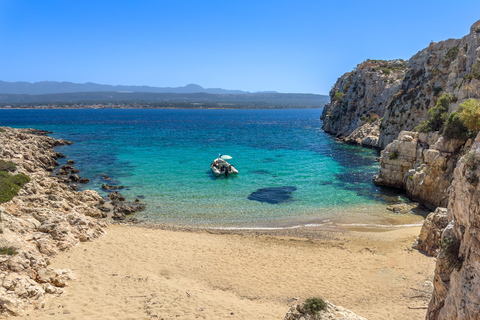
(49, 87)
(166, 100)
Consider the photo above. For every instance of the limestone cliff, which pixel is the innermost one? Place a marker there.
(433, 168)
(359, 99)
(446, 66)
(457, 275)
(400, 94)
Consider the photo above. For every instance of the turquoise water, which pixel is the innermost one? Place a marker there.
(163, 157)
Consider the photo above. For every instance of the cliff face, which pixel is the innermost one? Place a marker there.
(434, 169)
(431, 72)
(400, 93)
(359, 99)
(422, 164)
(457, 274)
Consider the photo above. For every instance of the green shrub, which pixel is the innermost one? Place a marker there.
(368, 119)
(469, 112)
(393, 155)
(437, 115)
(10, 185)
(472, 160)
(338, 96)
(455, 128)
(7, 166)
(475, 72)
(452, 53)
(450, 248)
(436, 91)
(314, 305)
(386, 71)
(8, 251)
(2, 130)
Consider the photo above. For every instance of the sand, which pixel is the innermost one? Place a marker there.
(145, 273)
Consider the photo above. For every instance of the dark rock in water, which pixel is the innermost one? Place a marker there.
(260, 172)
(59, 155)
(70, 162)
(116, 196)
(141, 197)
(110, 187)
(84, 180)
(124, 208)
(74, 177)
(61, 142)
(66, 170)
(74, 187)
(273, 195)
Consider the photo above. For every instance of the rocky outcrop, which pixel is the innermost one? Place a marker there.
(298, 312)
(400, 94)
(46, 217)
(422, 164)
(359, 98)
(431, 233)
(457, 274)
(441, 67)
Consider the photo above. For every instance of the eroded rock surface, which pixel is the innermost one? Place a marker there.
(46, 217)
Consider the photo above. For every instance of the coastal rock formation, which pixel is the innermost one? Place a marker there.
(422, 164)
(397, 95)
(457, 280)
(431, 232)
(437, 170)
(45, 217)
(359, 98)
(333, 312)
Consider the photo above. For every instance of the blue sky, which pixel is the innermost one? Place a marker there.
(287, 46)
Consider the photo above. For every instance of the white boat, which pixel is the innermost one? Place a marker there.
(221, 167)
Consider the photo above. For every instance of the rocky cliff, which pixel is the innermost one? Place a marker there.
(433, 167)
(47, 216)
(400, 94)
(359, 98)
(457, 274)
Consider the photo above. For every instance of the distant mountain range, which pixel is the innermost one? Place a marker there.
(87, 95)
(48, 87)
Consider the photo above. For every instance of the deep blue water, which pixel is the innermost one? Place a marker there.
(291, 172)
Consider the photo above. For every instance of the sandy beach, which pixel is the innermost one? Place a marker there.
(146, 273)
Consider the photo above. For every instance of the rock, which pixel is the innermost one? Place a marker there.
(125, 208)
(45, 217)
(84, 180)
(74, 177)
(70, 162)
(297, 312)
(116, 196)
(431, 232)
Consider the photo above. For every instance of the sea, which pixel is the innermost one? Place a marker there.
(291, 173)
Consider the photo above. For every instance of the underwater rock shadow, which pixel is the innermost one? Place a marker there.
(273, 195)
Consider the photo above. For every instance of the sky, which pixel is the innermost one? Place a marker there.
(298, 46)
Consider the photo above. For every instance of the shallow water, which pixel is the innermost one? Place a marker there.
(291, 172)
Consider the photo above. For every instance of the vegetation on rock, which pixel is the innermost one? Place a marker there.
(437, 115)
(338, 96)
(474, 73)
(10, 185)
(450, 248)
(314, 305)
(7, 166)
(8, 251)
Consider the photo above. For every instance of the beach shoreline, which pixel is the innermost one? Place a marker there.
(135, 272)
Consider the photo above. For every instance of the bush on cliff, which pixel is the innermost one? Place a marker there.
(10, 185)
(455, 128)
(469, 112)
(437, 115)
(338, 96)
(7, 166)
